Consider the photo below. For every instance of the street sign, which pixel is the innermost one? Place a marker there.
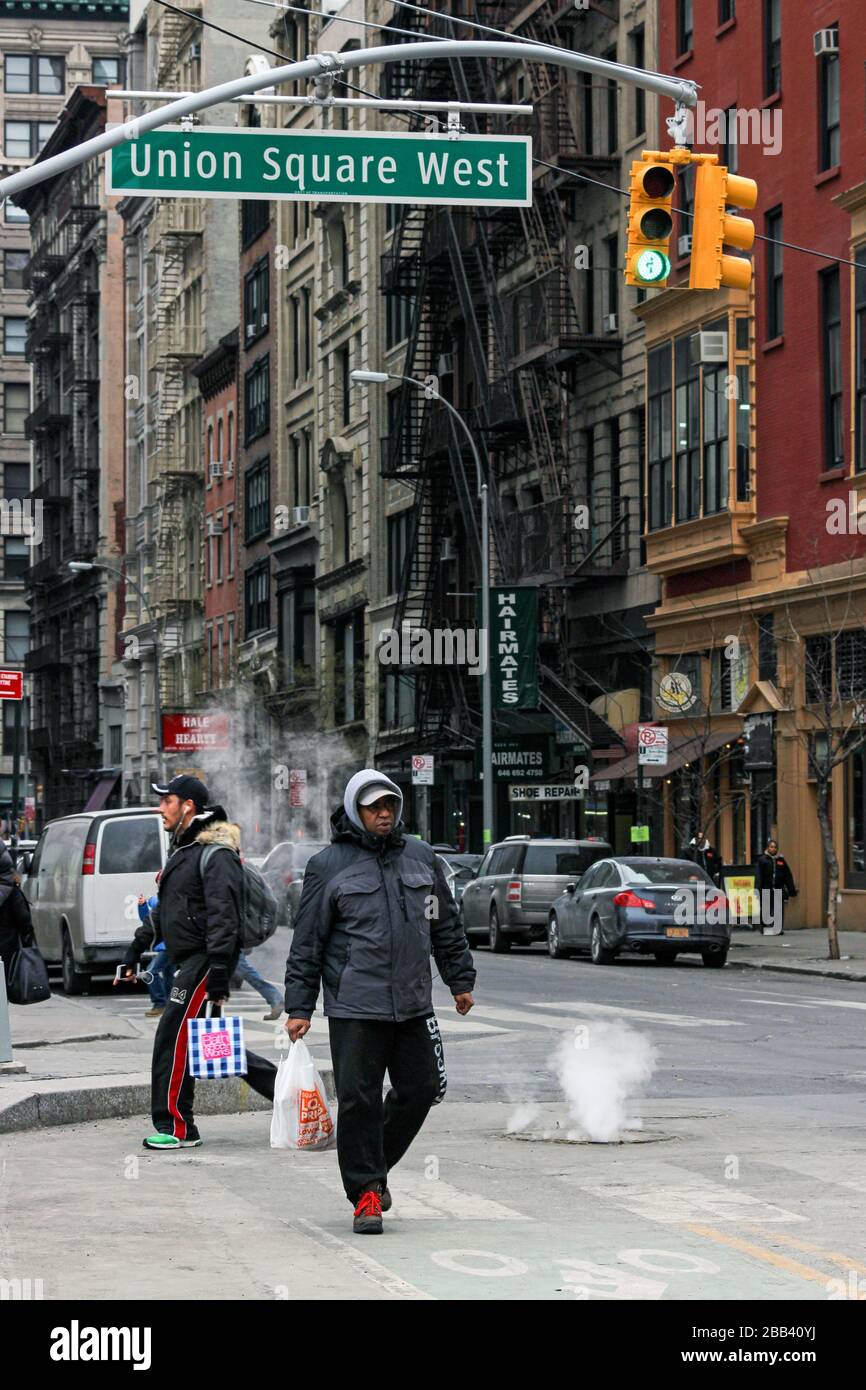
(640, 834)
(335, 166)
(182, 733)
(517, 759)
(554, 791)
(297, 786)
(422, 769)
(652, 745)
(11, 685)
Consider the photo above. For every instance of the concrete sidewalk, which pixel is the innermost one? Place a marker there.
(801, 952)
(85, 1063)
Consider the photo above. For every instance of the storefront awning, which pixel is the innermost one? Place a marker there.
(101, 792)
(681, 751)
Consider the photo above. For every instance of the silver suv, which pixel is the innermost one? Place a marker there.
(509, 897)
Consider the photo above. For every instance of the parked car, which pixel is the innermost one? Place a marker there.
(22, 855)
(283, 870)
(85, 877)
(509, 898)
(459, 870)
(660, 907)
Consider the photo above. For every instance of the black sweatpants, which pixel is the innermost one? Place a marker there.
(373, 1135)
(172, 1087)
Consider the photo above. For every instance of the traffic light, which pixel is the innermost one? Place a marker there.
(713, 228)
(650, 221)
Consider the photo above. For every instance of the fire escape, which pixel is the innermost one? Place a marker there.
(496, 321)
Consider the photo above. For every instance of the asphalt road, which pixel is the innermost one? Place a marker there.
(745, 1180)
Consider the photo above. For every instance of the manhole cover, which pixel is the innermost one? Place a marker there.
(575, 1137)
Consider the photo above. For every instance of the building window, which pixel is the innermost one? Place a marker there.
(345, 384)
(9, 729)
(349, 668)
(767, 660)
(255, 219)
(33, 72)
(396, 699)
(13, 213)
(220, 444)
(230, 437)
(730, 149)
(24, 139)
(860, 375)
(612, 100)
(715, 435)
(637, 55)
(230, 542)
(775, 270)
(16, 480)
(256, 290)
(659, 450)
(772, 47)
(16, 637)
(298, 636)
(398, 318)
(727, 10)
(818, 653)
(257, 400)
(612, 274)
(832, 340)
(828, 72)
(16, 557)
(399, 541)
(218, 547)
(257, 599)
(16, 407)
(14, 337)
(685, 25)
(308, 331)
(744, 434)
(855, 857)
(14, 265)
(588, 113)
(257, 499)
(687, 422)
(109, 72)
(341, 521)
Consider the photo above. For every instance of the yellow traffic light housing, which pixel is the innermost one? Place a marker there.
(713, 228)
(650, 220)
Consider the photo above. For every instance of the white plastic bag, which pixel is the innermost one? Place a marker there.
(301, 1118)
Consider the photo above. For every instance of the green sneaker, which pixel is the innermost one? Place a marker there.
(168, 1141)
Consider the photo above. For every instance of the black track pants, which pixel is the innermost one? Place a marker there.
(172, 1088)
(373, 1135)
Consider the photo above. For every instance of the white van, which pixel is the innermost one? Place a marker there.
(85, 877)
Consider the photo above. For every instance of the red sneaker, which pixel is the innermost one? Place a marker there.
(368, 1214)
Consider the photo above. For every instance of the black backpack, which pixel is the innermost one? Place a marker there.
(259, 916)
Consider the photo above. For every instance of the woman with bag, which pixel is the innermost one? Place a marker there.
(26, 975)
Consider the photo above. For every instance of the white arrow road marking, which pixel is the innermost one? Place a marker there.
(674, 1020)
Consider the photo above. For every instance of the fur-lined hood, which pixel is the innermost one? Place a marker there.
(222, 832)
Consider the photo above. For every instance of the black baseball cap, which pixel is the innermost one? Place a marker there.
(187, 788)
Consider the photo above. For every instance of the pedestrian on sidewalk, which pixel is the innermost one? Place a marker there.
(246, 971)
(16, 925)
(199, 917)
(773, 873)
(373, 906)
(701, 852)
(160, 968)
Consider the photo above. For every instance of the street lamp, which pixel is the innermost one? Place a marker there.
(85, 567)
(359, 376)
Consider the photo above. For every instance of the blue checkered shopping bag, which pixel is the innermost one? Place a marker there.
(216, 1046)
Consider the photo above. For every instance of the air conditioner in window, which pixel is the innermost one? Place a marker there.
(447, 550)
(300, 516)
(194, 52)
(446, 363)
(264, 319)
(214, 527)
(710, 346)
(216, 468)
(610, 323)
(826, 42)
(684, 246)
(230, 468)
(251, 328)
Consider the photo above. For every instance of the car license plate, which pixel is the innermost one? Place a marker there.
(677, 931)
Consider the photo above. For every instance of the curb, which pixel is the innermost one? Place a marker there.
(832, 974)
(40, 1108)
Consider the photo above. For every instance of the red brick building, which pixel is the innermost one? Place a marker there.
(755, 422)
(217, 376)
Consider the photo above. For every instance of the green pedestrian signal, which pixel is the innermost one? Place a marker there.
(651, 267)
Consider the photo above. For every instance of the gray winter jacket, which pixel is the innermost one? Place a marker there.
(370, 913)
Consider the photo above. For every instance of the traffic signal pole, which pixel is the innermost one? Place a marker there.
(326, 66)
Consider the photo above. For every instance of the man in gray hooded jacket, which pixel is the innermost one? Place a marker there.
(374, 905)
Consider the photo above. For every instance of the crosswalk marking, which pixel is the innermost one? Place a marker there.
(690, 1201)
(583, 1007)
(417, 1198)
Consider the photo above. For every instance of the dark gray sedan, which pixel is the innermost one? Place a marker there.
(659, 907)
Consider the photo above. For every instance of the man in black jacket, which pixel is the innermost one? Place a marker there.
(701, 852)
(374, 904)
(199, 919)
(775, 884)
